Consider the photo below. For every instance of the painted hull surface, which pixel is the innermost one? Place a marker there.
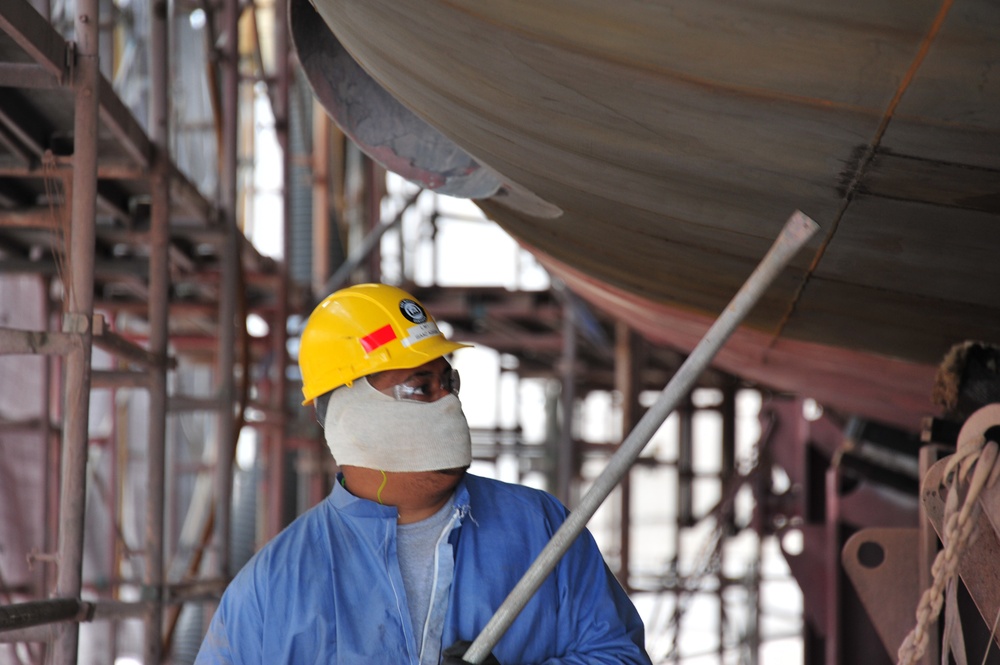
(649, 153)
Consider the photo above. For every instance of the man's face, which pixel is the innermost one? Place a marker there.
(417, 494)
(427, 383)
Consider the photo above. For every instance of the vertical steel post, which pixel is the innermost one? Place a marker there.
(159, 285)
(834, 538)
(566, 454)
(727, 467)
(279, 329)
(685, 462)
(78, 319)
(51, 413)
(322, 221)
(375, 181)
(627, 368)
(727, 470)
(228, 289)
(753, 629)
(517, 443)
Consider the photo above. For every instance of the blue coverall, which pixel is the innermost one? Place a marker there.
(328, 589)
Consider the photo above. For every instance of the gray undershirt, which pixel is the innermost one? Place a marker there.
(417, 544)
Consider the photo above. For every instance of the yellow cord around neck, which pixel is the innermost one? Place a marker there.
(385, 479)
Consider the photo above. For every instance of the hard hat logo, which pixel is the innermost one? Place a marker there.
(412, 311)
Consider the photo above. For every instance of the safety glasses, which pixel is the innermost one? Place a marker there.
(426, 386)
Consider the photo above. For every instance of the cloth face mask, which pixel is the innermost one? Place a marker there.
(369, 429)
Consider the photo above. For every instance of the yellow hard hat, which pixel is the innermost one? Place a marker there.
(364, 329)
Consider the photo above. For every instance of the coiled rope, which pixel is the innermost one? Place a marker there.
(975, 455)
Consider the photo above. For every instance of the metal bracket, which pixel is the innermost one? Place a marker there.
(76, 323)
(882, 565)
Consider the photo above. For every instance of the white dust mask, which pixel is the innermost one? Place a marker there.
(366, 428)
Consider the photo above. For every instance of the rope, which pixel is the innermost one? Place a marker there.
(974, 454)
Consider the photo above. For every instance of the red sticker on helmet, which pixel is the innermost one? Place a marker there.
(382, 336)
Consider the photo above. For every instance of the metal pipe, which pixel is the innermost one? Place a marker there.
(50, 414)
(39, 621)
(797, 230)
(832, 570)
(725, 519)
(159, 285)
(230, 283)
(628, 347)
(78, 319)
(566, 455)
(279, 329)
(685, 464)
(37, 613)
(159, 48)
(159, 289)
(374, 192)
(727, 467)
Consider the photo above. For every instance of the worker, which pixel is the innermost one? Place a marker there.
(409, 556)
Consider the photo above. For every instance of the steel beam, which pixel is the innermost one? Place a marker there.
(31, 342)
(26, 75)
(119, 379)
(108, 340)
(35, 36)
(24, 126)
(30, 218)
(121, 123)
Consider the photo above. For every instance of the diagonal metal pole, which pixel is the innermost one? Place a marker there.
(797, 230)
(367, 246)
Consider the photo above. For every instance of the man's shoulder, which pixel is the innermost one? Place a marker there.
(502, 495)
(484, 484)
(299, 540)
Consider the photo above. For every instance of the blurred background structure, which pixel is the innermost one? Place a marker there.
(174, 201)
